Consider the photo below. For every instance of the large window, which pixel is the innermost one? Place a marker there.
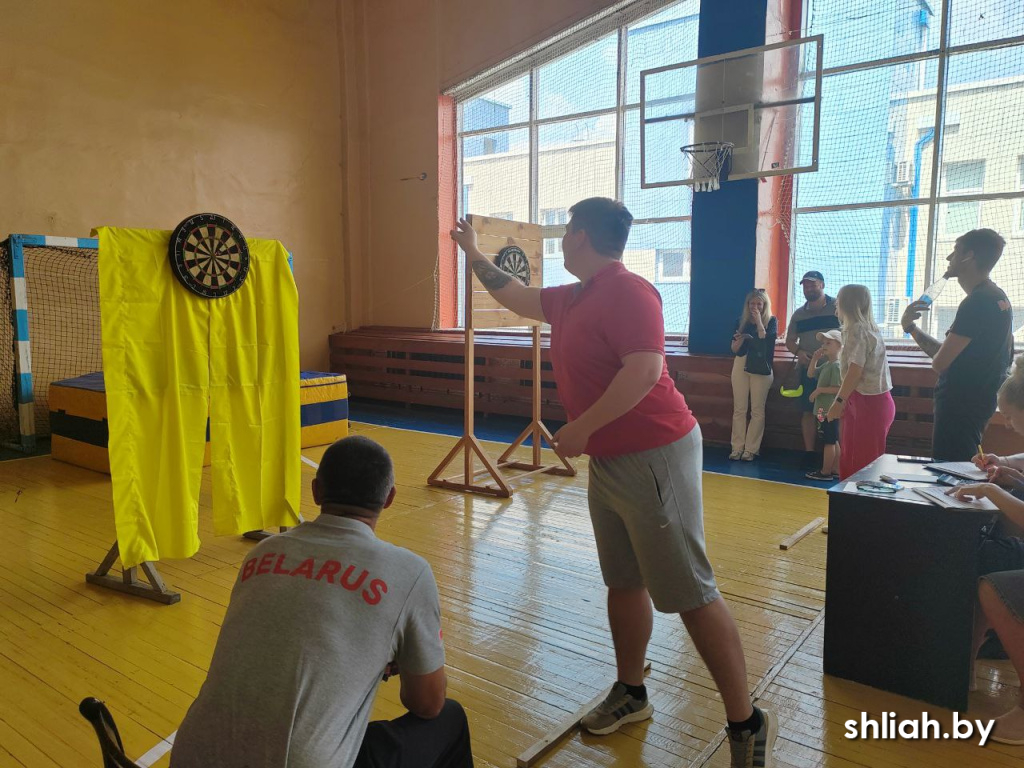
(567, 129)
(962, 179)
(922, 139)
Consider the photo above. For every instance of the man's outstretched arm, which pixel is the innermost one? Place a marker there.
(510, 293)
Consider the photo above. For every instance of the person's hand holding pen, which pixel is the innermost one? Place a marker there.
(999, 471)
(987, 461)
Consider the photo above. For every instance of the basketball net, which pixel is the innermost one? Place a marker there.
(707, 159)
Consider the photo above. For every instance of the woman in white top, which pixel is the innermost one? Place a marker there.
(864, 402)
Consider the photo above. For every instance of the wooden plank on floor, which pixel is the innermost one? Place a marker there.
(791, 541)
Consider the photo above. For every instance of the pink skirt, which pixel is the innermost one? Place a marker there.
(866, 422)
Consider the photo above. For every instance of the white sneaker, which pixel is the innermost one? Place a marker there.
(735, 455)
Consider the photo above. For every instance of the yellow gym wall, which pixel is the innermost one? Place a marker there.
(139, 114)
(298, 119)
(404, 53)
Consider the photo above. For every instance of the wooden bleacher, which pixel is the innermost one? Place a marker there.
(422, 367)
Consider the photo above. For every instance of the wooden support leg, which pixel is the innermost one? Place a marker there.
(537, 430)
(129, 582)
(470, 448)
(568, 469)
(261, 535)
(540, 434)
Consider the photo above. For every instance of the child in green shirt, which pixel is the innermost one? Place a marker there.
(829, 378)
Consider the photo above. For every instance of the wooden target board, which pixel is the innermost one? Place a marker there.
(517, 249)
(520, 245)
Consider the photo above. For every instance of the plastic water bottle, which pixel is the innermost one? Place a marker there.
(931, 293)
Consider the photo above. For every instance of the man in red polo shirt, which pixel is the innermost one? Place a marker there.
(608, 354)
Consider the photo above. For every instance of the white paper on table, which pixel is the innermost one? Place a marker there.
(963, 469)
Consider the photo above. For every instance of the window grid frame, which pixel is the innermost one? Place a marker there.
(534, 122)
(941, 54)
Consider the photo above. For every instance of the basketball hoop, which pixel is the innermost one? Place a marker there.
(707, 159)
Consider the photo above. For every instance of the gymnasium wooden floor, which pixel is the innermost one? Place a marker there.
(524, 624)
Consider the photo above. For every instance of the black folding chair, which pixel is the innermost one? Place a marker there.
(96, 712)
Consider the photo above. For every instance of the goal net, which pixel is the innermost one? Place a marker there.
(59, 299)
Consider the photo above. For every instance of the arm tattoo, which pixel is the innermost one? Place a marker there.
(927, 344)
(491, 277)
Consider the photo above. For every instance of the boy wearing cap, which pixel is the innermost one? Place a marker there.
(829, 378)
(817, 314)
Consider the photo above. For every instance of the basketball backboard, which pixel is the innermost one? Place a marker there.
(765, 101)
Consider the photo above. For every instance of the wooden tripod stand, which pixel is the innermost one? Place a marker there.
(483, 311)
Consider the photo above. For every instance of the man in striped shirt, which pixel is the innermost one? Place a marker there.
(818, 314)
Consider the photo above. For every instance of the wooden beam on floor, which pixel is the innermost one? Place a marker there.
(790, 541)
(546, 742)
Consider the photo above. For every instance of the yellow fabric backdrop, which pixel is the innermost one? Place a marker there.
(169, 359)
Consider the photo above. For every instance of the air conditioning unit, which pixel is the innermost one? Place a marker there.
(903, 173)
(894, 307)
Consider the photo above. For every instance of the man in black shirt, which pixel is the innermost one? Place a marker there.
(973, 359)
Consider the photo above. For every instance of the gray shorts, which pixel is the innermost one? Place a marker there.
(648, 518)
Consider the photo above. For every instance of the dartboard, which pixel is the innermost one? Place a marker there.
(512, 261)
(209, 255)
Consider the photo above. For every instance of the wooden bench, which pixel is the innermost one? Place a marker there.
(416, 366)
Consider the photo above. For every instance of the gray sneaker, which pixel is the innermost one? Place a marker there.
(617, 709)
(754, 750)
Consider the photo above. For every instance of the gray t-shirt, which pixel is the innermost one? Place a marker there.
(316, 615)
(807, 321)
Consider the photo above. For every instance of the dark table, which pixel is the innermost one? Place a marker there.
(900, 588)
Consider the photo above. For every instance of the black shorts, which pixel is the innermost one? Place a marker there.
(809, 384)
(829, 431)
(1000, 553)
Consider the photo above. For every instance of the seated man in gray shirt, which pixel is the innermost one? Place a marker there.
(318, 615)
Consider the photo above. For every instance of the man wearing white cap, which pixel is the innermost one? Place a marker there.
(817, 314)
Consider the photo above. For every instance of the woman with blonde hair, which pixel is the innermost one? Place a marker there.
(753, 343)
(864, 401)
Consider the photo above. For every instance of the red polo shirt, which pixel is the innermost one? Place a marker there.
(593, 326)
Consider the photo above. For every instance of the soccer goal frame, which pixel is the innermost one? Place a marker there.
(23, 397)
